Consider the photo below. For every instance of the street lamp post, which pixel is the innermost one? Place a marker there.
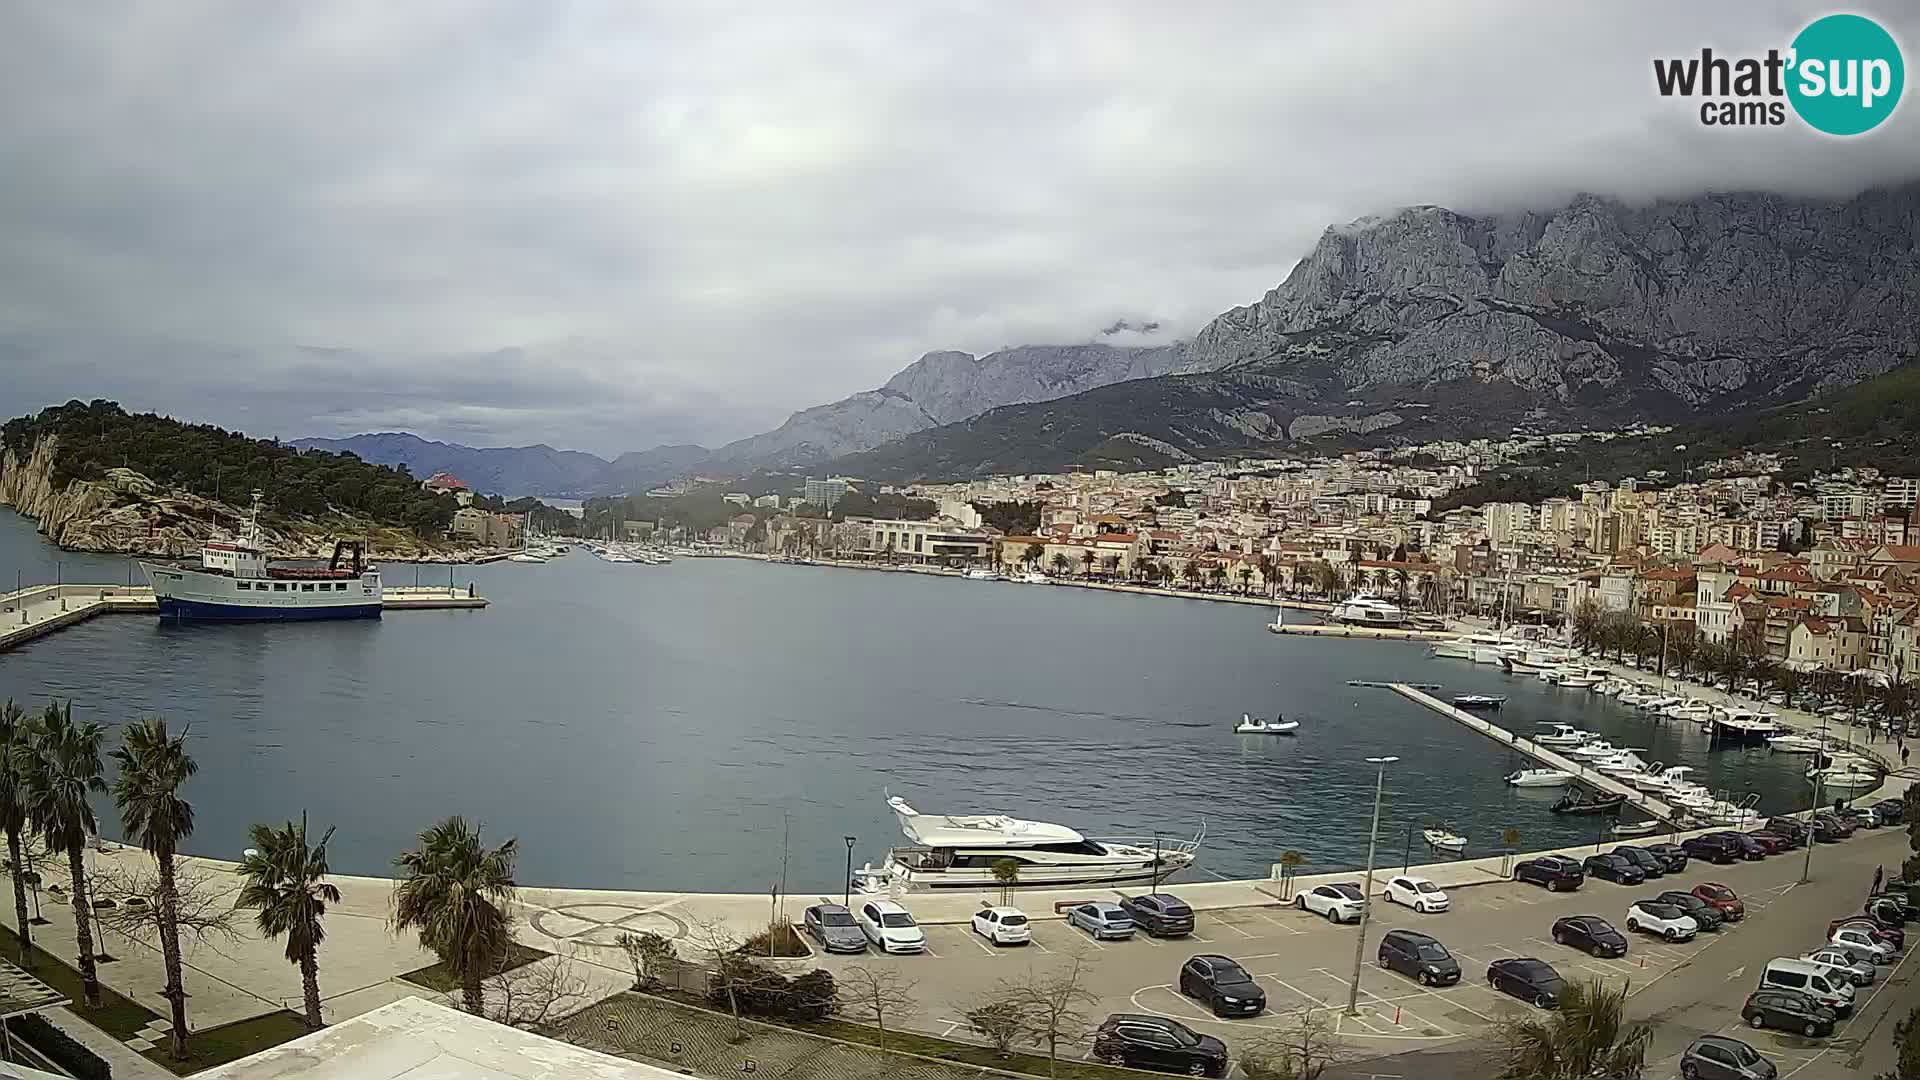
(846, 898)
(1366, 894)
(1806, 868)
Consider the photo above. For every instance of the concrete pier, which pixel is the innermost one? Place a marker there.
(1636, 798)
(36, 612)
(1378, 633)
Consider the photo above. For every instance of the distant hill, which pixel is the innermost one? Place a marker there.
(508, 470)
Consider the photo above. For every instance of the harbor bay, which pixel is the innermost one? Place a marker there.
(665, 727)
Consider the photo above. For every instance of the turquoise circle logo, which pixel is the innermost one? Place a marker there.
(1847, 74)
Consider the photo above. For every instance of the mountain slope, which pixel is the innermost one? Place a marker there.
(1429, 324)
(941, 388)
(508, 470)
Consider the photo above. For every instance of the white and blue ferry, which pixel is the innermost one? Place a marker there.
(236, 583)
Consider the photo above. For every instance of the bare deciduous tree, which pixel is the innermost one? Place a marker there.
(1054, 1000)
(535, 996)
(1301, 1047)
(203, 901)
(879, 993)
(1001, 1019)
(650, 954)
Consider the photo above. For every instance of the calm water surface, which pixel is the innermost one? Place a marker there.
(658, 727)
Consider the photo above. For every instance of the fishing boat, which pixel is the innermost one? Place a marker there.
(1539, 778)
(1256, 725)
(1638, 828)
(1479, 701)
(1579, 802)
(235, 582)
(1442, 840)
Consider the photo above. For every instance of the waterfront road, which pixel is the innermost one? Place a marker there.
(1404, 1029)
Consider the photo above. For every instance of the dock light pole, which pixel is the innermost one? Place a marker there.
(846, 898)
(1366, 894)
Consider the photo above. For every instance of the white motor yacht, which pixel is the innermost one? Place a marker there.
(1693, 711)
(1662, 781)
(1539, 778)
(958, 851)
(1035, 577)
(1366, 609)
(1594, 750)
(1661, 704)
(1846, 774)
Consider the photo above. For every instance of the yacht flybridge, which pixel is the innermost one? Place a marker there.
(958, 851)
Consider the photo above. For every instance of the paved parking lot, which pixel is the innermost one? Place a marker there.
(1302, 961)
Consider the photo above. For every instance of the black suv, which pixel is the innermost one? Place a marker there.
(1713, 848)
(1418, 956)
(1674, 854)
(1651, 865)
(1159, 914)
(1889, 811)
(1788, 1010)
(1223, 985)
(1591, 934)
(1159, 1044)
(1750, 849)
(1614, 868)
(1557, 872)
(1708, 916)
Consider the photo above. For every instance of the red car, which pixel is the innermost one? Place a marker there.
(1892, 936)
(1772, 842)
(1722, 899)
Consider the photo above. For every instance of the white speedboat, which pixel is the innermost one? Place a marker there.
(1850, 774)
(1594, 750)
(1578, 682)
(1796, 744)
(1638, 828)
(1693, 711)
(1539, 778)
(1256, 725)
(1035, 577)
(1562, 735)
(1442, 840)
(1661, 704)
(979, 574)
(1366, 609)
(1669, 780)
(958, 851)
(525, 556)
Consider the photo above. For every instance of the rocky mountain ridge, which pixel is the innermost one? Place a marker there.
(1429, 323)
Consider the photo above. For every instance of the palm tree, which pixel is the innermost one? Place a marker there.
(153, 765)
(1587, 1036)
(1034, 554)
(1246, 579)
(1110, 563)
(287, 888)
(62, 767)
(454, 895)
(1400, 579)
(14, 732)
(1060, 563)
(1086, 563)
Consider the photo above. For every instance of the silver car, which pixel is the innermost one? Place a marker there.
(1859, 972)
(1102, 920)
(833, 927)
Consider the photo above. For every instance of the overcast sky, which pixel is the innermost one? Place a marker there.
(612, 225)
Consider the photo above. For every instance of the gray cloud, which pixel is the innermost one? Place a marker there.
(608, 225)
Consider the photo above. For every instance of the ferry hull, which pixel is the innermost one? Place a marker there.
(206, 611)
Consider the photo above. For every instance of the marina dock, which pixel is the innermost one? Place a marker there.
(1636, 798)
(41, 610)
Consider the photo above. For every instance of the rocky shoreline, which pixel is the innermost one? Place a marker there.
(125, 513)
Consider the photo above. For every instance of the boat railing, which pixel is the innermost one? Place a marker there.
(1163, 844)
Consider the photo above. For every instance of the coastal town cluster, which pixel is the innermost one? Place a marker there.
(1826, 572)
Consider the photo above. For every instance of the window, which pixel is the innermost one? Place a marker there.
(279, 586)
(243, 585)
(306, 588)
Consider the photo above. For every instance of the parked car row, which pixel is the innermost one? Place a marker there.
(1811, 993)
(890, 927)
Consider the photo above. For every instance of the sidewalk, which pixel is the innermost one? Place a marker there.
(127, 1063)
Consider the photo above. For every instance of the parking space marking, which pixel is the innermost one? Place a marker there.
(1401, 1012)
(985, 946)
(1284, 926)
(1302, 993)
(1235, 929)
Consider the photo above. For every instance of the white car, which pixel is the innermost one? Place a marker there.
(1857, 942)
(1859, 972)
(1002, 925)
(1670, 921)
(1339, 903)
(890, 926)
(1418, 893)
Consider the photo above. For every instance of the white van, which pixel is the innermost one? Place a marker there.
(1827, 986)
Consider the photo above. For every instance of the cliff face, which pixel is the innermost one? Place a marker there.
(1722, 300)
(126, 513)
(1430, 324)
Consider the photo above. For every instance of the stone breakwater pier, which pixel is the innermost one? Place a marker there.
(43, 609)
